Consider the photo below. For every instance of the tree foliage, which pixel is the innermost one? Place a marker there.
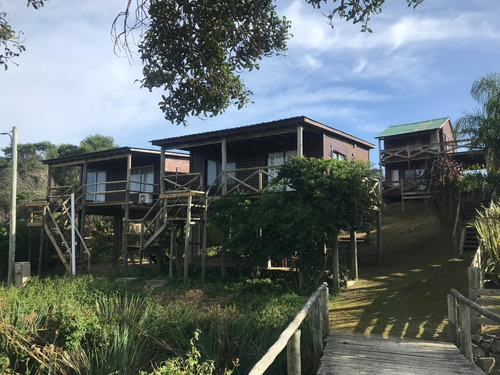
(310, 201)
(10, 40)
(482, 124)
(196, 50)
(442, 180)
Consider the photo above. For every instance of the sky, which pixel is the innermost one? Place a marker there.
(416, 65)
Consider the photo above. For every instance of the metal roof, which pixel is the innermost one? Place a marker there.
(413, 127)
(186, 142)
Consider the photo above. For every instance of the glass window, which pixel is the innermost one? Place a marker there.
(142, 180)
(96, 182)
(277, 159)
(214, 168)
(338, 155)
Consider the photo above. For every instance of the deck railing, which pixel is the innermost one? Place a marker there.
(290, 337)
(459, 317)
(423, 151)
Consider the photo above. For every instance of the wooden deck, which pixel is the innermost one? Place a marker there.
(347, 354)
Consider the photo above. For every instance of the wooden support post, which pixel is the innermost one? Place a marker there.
(474, 274)
(42, 237)
(317, 332)
(380, 200)
(187, 238)
(335, 263)
(379, 234)
(204, 240)
(293, 354)
(300, 141)
(162, 171)
(325, 311)
(117, 233)
(127, 211)
(453, 319)
(172, 253)
(465, 334)
(224, 165)
(83, 212)
(353, 247)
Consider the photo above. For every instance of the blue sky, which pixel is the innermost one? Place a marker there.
(416, 65)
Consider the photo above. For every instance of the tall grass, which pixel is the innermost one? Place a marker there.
(487, 224)
(90, 325)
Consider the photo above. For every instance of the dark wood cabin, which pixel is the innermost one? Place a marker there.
(404, 150)
(122, 183)
(243, 158)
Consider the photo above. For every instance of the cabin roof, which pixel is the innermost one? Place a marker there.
(120, 151)
(413, 127)
(287, 125)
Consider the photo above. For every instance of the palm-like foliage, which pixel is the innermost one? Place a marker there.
(482, 124)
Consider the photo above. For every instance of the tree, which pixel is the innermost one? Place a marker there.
(482, 124)
(196, 50)
(10, 42)
(97, 142)
(310, 202)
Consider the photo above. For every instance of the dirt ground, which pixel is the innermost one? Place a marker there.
(404, 295)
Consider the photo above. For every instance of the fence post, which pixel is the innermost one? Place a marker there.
(293, 354)
(325, 310)
(474, 284)
(317, 332)
(465, 334)
(452, 319)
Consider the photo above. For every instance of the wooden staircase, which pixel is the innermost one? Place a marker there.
(469, 205)
(148, 235)
(54, 216)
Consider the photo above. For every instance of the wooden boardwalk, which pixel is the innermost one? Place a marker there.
(347, 354)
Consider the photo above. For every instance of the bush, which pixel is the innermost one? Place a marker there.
(487, 224)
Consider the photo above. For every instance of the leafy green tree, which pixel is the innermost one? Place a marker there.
(10, 42)
(311, 201)
(196, 50)
(97, 142)
(482, 124)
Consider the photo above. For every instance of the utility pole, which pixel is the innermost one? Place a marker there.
(13, 196)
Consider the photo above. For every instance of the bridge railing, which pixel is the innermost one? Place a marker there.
(459, 317)
(290, 337)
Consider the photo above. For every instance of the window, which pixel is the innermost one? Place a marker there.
(142, 180)
(214, 168)
(338, 155)
(410, 173)
(395, 177)
(277, 159)
(96, 182)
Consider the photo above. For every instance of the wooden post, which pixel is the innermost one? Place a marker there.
(293, 354)
(325, 311)
(402, 187)
(224, 165)
(452, 319)
(127, 211)
(300, 141)
(465, 334)
(82, 216)
(354, 254)
(204, 240)
(474, 274)
(379, 218)
(117, 225)
(317, 333)
(187, 237)
(162, 171)
(335, 263)
(42, 237)
(172, 252)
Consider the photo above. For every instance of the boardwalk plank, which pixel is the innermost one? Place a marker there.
(358, 354)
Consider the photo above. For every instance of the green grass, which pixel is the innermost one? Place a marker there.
(405, 294)
(93, 325)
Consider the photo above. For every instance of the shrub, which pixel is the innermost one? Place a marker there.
(487, 224)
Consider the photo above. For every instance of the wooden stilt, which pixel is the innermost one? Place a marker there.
(354, 255)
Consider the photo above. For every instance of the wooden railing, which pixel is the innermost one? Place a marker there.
(290, 337)
(460, 309)
(424, 150)
(227, 182)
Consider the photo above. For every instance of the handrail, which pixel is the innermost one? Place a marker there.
(474, 306)
(286, 335)
(459, 317)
